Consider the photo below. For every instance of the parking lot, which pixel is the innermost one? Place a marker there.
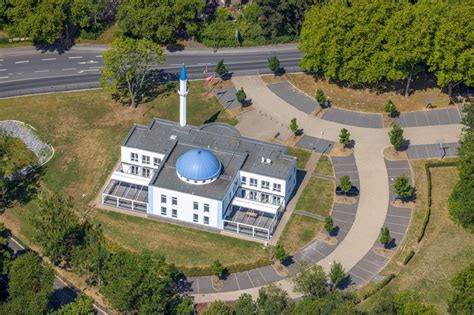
(315, 144)
(445, 116)
(351, 118)
(439, 150)
(227, 97)
(294, 97)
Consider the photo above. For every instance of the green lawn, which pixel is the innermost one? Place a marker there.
(317, 197)
(17, 155)
(324, 166)
(301, 154)
(299, 231)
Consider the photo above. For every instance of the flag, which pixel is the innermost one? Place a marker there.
(210, 78)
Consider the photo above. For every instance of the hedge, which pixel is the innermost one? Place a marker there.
(386, 280)
(409, 257)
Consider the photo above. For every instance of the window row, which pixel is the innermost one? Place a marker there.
(263, 184)
(261, 197)
(145, 159)
(135, 170)
(174, 214)
(196, 206)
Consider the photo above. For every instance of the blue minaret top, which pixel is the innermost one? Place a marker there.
(182, 77)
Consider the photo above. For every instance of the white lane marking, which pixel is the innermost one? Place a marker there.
(3, 69)
(23, 61)
(95, 67)
(88, 70)
(66, 69)
(98, 56)
(1, 59)
(39, 71)
(75, 57)
(87, 62)
(4, 77)
(48, 59)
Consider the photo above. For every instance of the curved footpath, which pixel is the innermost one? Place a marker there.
(374, 209)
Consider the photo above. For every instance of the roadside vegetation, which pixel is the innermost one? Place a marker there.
(317, 197)
(302, 156)
(324, 166)
(299, 231)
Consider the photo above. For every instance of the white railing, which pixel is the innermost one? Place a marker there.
(127, 169)
(254, 229)
(120, 202)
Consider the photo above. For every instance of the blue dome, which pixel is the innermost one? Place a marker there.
(198, 165)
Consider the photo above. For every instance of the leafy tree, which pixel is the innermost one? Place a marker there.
(241, 96)
(385, 237)
(320, 97)
(390, 108)
(185, 307)
(272, 300)
(218, 308)
(221, 70)
(5, 251)
(221, 30)
(274, 64)
(405, 302)
(294, 126)
(337, 273)
(402, 187)
(337, 302)
(82, 305)
(126, 66)
(245, 305)
(345, 184)
(217, 269)
(30, 286)
(311, 281)
(56, 227)
(462, 301)
(162, 21)
(344, 137)
(329, 224)
(396, 137)
(280, 253)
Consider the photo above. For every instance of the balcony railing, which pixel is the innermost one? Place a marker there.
(260, 197)
(137, 170)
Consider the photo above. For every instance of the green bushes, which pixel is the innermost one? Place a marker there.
(386, 280)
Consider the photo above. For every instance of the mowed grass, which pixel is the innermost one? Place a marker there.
(445, 249)
(317, 197)
(324, 166)
(302, 156)
(86, 129)
(299, 231)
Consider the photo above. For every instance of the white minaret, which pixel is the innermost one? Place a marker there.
(183, 93)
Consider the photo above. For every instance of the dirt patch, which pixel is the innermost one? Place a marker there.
(365, 100)
(402, 204)
(393, 155)
(339, 150)
(345, 200)
(384, 252)
(280, 269)
(217, 284)
(327, 239)
(272, 79)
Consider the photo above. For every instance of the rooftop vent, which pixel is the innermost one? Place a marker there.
(173, 137)
(265, 160)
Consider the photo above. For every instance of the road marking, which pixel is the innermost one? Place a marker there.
(4, 77)
(66, 69)
(3, 69)
(1, 59)
(87, 62)
(95, 67)
(48, 59)
(98, 56)
(39, 71)
(87, 70)
(23, 61)
(75, 57)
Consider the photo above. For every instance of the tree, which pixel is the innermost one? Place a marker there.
(311, 281)
(185, 307)
(274, 64)
(245, 305)
(337, 302)
(337, 273)
(217, 269)
(5, 251)
(294, 126)
(329, 224)
(344, 137)
(56, 227)
(405, 302)
(385, 237)
(162, 21)
(218, 308)
(345, 184)
(241, 96)
(462, 301)
(221, 70)
(390, 108)
(272, 300)
(320, 97)
(402, 187)
(82, 305)
(127, 65)
(220, 31)
(396, 137)
(280, 253)
(30, 286)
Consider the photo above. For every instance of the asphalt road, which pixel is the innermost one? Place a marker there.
(29, 71)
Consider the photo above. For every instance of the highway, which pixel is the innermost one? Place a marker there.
(29, 71)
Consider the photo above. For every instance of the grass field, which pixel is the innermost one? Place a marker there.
(324, 166)
(299, 231)
(301, 154)
(317, 197)
(446, 248)
(86, 130)
(17, 155)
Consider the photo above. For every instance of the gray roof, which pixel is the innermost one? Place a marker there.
(233, 151)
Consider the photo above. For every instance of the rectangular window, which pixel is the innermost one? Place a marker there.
(244, 180)
(206, 207)
(277, 187)
(163, 198)
(163, 210)
(134, 157)
(156, 162)
(134, 170)
(195, 218)
(276, 201)
(206, 220)
(145, 159)
(174, 213)
(195, 206)
(146, 172)
(253, 195)
(265, 185)
(253, 182)
(264, 198)
(174, 201)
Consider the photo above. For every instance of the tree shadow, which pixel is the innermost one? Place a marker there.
(60, 47)
(61, 296)
(281, 71)
(345, 283)
(390, 245)
(23, 187)
(213, 118)
(335, 231)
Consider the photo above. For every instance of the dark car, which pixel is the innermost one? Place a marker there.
(354, 191)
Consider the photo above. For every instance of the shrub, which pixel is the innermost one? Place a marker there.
(217, 269)
(294, 126)
(402, 187)
(319, 96)
(329, 224)
(280, 253)
(221, 70)
(385, 237)
(241, 96)
(345, 184)
(396, 137)
(274, 64)
(390, 108)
